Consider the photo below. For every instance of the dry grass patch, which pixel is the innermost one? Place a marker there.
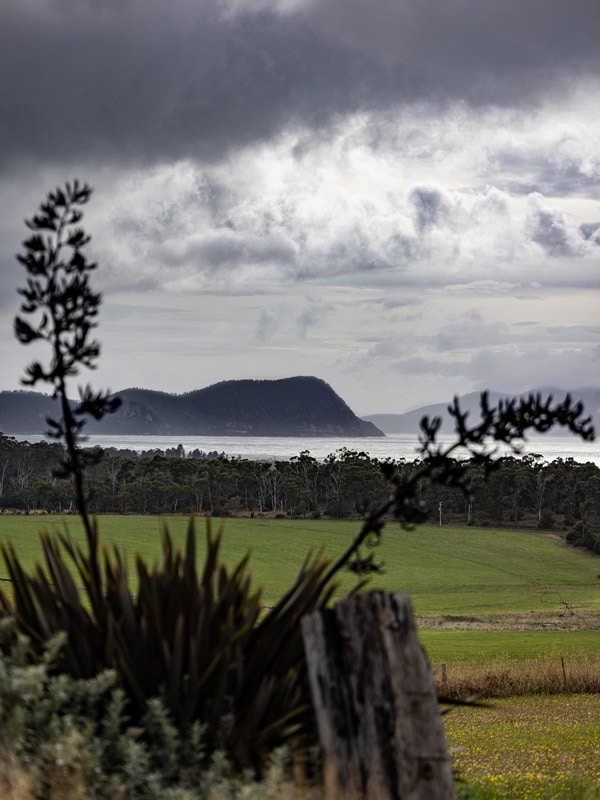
(15, 783)
(524, 667)
(556, 619)
(508, 678)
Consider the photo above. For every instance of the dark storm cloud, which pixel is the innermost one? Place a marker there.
(149, 80)
(487, 51)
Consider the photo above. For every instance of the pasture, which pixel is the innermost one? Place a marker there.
(453, 572)
(486, 600)
(473, 590)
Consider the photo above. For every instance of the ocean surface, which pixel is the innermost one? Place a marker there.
(267, 448)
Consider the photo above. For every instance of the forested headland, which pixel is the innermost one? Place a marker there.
(298, 406)
(521, 492)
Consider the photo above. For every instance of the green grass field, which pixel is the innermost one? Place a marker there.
(454, 571)
(531, 747)
(446, 571)
(479, 647)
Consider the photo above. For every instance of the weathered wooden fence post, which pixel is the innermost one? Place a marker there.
(374, 696)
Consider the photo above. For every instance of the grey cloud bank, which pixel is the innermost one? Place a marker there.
(402, 198)
(141, 79)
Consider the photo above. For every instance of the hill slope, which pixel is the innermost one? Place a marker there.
(300, 406)
(409, 422)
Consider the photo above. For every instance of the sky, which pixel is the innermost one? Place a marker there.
(401, 197)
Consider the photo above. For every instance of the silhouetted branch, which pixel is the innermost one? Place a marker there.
(506, 423)
(65, 309)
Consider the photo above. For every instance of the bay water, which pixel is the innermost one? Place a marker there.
(276, 448)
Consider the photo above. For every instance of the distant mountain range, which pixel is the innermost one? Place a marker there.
(409, 422)
(300, 406)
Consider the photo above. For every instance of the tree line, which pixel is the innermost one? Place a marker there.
(523, 491)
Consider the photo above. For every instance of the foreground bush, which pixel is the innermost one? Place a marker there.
(67, 738)
(201, 642)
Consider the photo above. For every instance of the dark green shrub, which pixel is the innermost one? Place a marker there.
(576, 534)
(200, 642)
(68, 738)
(547, 520)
